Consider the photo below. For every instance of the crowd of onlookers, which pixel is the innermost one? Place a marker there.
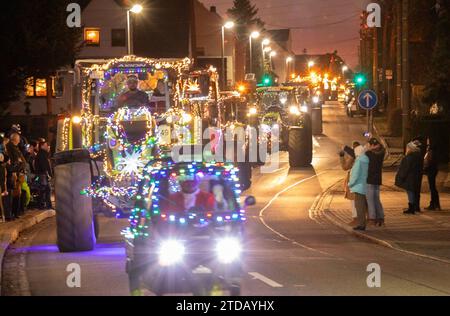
(364, 164)
(25, 174)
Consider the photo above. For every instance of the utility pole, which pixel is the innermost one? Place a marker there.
(406, 94)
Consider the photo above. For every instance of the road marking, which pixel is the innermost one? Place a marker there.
(258, 276)
(261, 214)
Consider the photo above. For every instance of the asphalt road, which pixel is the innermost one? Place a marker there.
(291, 251)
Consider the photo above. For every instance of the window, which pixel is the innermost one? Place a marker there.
(118, 38)
(92, 36)
(37, 87)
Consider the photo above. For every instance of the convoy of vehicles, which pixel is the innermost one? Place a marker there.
(117, 155)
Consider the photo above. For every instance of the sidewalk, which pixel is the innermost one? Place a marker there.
(426, 234)
(9, 231)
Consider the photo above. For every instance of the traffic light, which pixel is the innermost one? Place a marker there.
(267, 80)
(360, 79)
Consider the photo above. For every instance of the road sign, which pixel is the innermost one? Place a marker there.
(368, 99)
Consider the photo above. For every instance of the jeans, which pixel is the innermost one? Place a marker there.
(375, 208)
(361, 209)
(411, 197)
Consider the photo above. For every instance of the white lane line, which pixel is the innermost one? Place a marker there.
(258, 276)
(261, 214)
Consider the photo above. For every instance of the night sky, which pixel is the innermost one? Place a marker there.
(321, 26)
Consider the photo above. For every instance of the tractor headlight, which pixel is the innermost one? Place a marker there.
(294, 110)
(228, 250)
(253, 111)
(316, 99)
(171, 252)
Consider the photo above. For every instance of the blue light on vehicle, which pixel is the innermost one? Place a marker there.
(235, 216)
(182, 221)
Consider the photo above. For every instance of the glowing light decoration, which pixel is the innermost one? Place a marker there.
(131, 163)
(142, 214)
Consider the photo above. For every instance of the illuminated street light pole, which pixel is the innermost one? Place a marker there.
(227, 25)
(136, 9)
(254, 35)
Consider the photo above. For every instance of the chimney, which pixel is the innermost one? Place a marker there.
(213, 9)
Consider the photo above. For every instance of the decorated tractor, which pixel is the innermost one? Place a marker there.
(126, 113)
(187, 230)
(282, 119)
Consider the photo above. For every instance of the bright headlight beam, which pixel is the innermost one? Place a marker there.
(171, 252)
(228, 250)
(294, 110)
(253, 111)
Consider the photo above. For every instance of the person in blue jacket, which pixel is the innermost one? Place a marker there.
(358, 185)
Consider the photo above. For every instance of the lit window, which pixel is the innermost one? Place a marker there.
(37, 87)
(30, 87)
(92, 36)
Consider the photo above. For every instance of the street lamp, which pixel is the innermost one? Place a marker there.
(344, 69)
(136, 9)
(311, 64)
(253, 35)
(228, 25)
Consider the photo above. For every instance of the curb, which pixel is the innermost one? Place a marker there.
(324, 210)
(10, 235)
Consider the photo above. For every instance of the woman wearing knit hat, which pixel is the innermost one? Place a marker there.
(409, 175)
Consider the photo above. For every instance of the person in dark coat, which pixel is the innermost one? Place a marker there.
(376, 153)
(420, 141)
(44, 171)
(409, 175)
(430, 168)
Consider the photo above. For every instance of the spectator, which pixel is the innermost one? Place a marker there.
(32, 151)
(421, 144)
(376, 153)
(430, 167)
(16, 129)
(12, 148)
(44, 172)
(347, 159)
(3, 190)
(358, 186)
(3, 142)
(409, 175)
(7, 195)
(16, 167)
